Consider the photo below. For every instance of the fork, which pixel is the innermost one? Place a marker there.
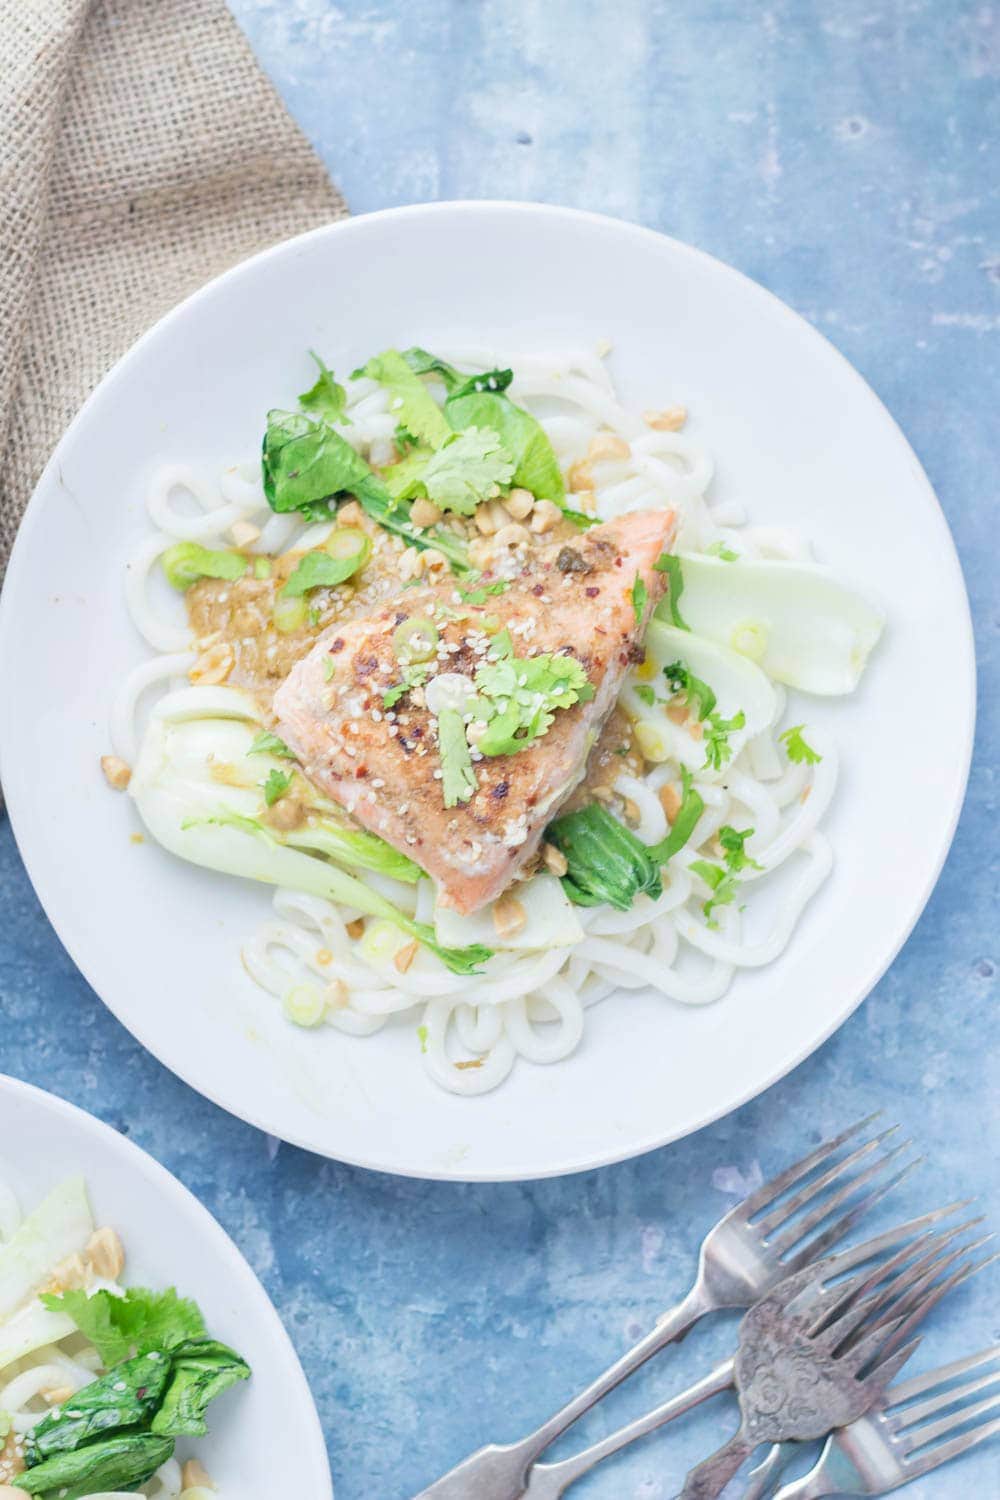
(894, 1443)
(739, 1261)
(923, 1255)
(816, 1353)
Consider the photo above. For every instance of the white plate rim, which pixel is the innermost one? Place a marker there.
(210, 1231)
(949, 560)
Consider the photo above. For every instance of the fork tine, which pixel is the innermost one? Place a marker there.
(786, 1179)
(827, 1204)
(805, 1195)
(837, 1300)
(904, 1292)
(933, 1378)
(857, 1255)
(931, 1301)
(842, 1227)
(933, 1459)
(919, 1437)
(940, 1402)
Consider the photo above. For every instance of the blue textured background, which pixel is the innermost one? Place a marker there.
(845, 154)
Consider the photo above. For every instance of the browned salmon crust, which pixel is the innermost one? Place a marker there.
(383, 766)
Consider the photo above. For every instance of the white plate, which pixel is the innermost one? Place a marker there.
(796, 434)
(170, 1240)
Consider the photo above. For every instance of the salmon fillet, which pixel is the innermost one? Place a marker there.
(379, 762)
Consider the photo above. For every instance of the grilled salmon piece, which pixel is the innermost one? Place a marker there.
(381, 762)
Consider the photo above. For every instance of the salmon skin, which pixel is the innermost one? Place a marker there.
(583, 599)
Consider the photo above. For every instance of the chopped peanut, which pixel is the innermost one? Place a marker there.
(243, 533)
(607, 445)
(671, 419)
(484, 519)
(519, 503)
(324, 957)
(481, 553)
(425, 513)
(512, 535)
(411, 564)
(670, 801)
(555, 860)
(213, 666)
(356, 928)
(545, 515)
(105, 1254)
(434, 561)
(338, 996)
(70, 1275)
(350, 514)
(57, 1395)
(193, 1474)
(405, 957)
(116, 772)
(509, 916)
(580, 476)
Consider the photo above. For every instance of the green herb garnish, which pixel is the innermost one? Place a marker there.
(186, 562)
(480, 595)
(458, 779)
(736, 857)
(671, 565)
(645, 694)
(411, 403)
(640, 595)
(796, 747)
(267, 743)
(719, 549)
(326, 398)
(276, 785)
(518, 696)
(722, 884)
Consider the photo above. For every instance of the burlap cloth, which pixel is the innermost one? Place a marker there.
(142, 152)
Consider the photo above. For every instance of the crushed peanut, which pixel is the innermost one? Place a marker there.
(194, 1474)
(554, 859)
(425, 513)
(434, 561)
(70, 1275)
(350, 514)
(579, 476)
(512, 535)
(105, 1254)
(117, 773)
(411, 564)
(337, 995)
(670, 801)
(405, 957)
(519, 503)
(324, 957)
(356, 929)
(213, 666)
(57, 1395)
(509, 916)
(545, 516)
(607, 445)
(243, 533)
(671, 419)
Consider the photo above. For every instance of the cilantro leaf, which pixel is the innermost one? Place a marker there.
(139, 1321)
(267, 743)
(691, 808)
(717, 731)
(671, 565)
(329, 667)
(479, 595)
(423, 1036)
(796, 747)
(413, 676)
(721, 882)
(276, 785)
(518, 696)
(736, 857)
(458, 779)
(411, 403)
(640, 595)
(468, 469)
(316, 570)
(698, 696)
(326, 398)
(645, 694)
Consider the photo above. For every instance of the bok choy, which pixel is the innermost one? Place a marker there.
(198, 789)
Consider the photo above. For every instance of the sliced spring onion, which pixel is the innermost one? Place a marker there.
(415, 640)
(289, 615)
(304, 1004)
(186, 562)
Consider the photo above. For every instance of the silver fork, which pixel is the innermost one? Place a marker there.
(816, 1353)
(895, 1442)
(739, 1261)
(926, 1259)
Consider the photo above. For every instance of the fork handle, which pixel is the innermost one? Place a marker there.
(672, 1326)
(710, 1478)
(764, 1481)
(550, 1480)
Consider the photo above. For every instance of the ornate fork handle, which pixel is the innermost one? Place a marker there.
(710, 1478)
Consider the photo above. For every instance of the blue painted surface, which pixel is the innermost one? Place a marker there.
(845, 154)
